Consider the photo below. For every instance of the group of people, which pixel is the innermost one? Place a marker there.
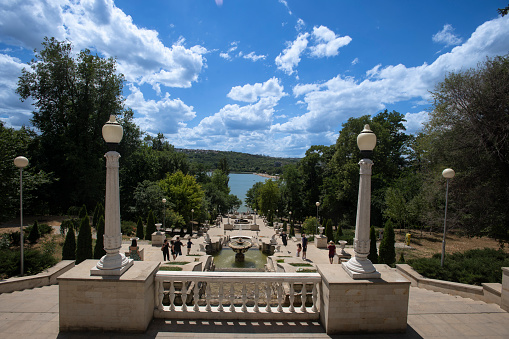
(175, 246)
(304, 246)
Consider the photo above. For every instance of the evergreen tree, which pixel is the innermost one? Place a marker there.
(99, 251)
(338, 234)
(292, 229)
(34, 233)
(373, 254)
(387, 251)
(151, 226)
(139, 229)
(84, 244)
(285, 227)
(69, 249)
(328, 230)
(83, 212)
(97, 214)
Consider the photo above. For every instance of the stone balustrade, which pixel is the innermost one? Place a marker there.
(236, 295)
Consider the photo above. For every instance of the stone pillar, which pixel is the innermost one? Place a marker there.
(360, 267)
(505, 289)
(114, 262)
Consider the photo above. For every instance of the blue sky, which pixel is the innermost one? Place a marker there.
(266, 77)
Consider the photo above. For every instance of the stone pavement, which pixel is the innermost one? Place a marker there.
(34, 313)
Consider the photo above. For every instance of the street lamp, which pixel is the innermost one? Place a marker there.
(21, 162)
(448, 174)
(360, 267)
(317, 205)
(192, 220)
(113, 263)
(164, 213)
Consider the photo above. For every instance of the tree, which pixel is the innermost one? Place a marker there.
(373, 253)
(151, 226)
(69, 248)
(268, 198)
(83, 212)
(328, 230)
(309, 225)
(99, 251)
(467, 131)
(84, 244)
(34, 233)
(139, 229)
(292, 229)
(74, 95)
(387, 252)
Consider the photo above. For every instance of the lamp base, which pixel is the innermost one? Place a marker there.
(112, 265)
(361, 269)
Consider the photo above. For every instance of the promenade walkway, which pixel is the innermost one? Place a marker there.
(34, 314)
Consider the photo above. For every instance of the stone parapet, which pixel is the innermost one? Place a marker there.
(363, 306)
(93, 303)
(504, 303)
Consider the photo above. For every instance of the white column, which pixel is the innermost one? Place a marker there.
(114, 262)
(360, 267)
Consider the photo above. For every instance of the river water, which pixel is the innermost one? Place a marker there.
(240, 183)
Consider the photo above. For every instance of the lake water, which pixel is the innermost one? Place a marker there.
(240, 183)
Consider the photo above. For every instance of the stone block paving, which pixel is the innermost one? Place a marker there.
(34, 313)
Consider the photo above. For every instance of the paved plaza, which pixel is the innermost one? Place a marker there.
(34, 313)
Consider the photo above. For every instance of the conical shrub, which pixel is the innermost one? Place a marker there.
(69, 249)
(84, 244)
(99, 251)
(373, 253)
(139, 229)
(34, 233)
(151, 226)
(387, 252)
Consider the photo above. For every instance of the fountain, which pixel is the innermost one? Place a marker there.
(240, 245)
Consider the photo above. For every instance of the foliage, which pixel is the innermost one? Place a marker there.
(139, 229)
(35, 261)
(84, 243)
(98, 212)
(34, 233)
(43, 229)
(83, 212)
(309, 225)
(471, 267)
(69, 248)
(127, 227)
(373, 253)
(268, 198)
(387, 252)
(99, 251)
(170, 268)
(151, 226)
(347, 235)
(292, 229)
(285, 227)
(328, 230)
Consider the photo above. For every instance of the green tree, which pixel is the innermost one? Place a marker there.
(268, 198)
(309, 225)
(151, 226)
(84, 244)
(387, 252)
(139, 229)
(73, 96)
(34, 233)
(328, 230)
(99, 251)
(69, 248)
(83, 212)
(373, 253)
(292, 229)
(252, 196)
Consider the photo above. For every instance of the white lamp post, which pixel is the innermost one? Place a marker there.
(448, 174)
(192, 219)
(21, 162)
(360, 267)
(317, 205)
(164, 213)
(113, 263)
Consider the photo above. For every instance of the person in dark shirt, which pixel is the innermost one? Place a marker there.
(166, 250)
(177, 247)
(332, 251)
(189, 243)
(304, 246)
(284, 238)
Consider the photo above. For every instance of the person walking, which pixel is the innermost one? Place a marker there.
(173, 249)
(332, 251)
(284, 238)
(189, 243)
(166, 250)
(304, 246)
(177, 247)
(299, 248)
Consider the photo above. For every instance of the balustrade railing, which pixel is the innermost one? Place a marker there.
(237, 295)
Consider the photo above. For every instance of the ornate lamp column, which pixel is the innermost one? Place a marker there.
(113, 263)
(317, 223)
(448, 174)
(360, 267)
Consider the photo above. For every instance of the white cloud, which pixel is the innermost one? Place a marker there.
(286, 5)
(300, 24)
(328, 43)
(447, 37)
(100, 25)
(355, 61)
(251, 93)
(164, 116)
(252, 56)
(290, 57)
(415, 121)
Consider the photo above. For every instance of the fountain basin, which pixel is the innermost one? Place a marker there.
(240, 245)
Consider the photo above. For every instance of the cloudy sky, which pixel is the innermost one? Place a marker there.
(266, 77)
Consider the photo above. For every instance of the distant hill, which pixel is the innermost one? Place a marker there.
(238, 162)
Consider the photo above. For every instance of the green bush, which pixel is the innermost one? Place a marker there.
(472, 267)
(170, 268)
(69, 248)
(309, 225)
(387, 252)
(84, 244)
(139, 229)
(35, 261)
(328, 230)
(99, 251)
(34, 234)
(292, 230)
(373, 253)
(42, 228)
(127, 227)
(346, 235)
(151, 226)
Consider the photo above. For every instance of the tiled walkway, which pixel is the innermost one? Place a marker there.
(34, 314)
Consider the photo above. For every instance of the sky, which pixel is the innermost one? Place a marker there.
(270, 77)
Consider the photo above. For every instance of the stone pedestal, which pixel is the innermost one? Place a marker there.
(321, 241)
(107, 303)
(505, 289)
(363, 306)
(158, 238)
